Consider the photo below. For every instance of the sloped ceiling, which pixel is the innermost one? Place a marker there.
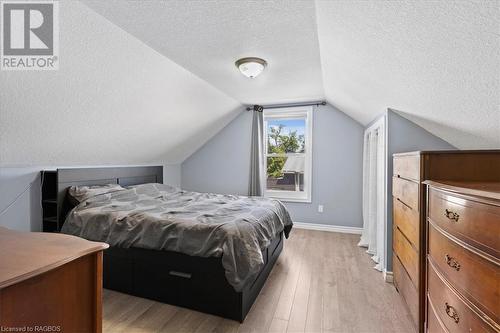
(435, 61)
(113, 100)
(207, 37)
(151, 81)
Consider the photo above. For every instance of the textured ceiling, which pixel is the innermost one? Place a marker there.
(113, 100)
(150, 81)
(207, 37)
(436, 61)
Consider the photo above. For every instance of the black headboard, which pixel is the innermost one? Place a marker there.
(124, 176)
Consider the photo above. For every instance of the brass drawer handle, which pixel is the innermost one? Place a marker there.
(452, 313)
(451, 215)
(452, 262)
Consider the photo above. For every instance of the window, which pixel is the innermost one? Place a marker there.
(288, 156)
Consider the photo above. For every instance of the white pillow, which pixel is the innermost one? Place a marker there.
(82, 193)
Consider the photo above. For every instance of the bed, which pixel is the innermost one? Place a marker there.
(206, 252)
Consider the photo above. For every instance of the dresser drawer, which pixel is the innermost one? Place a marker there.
(453, 312)
(463, 269)
(475, 223)
(408, 221)
(406, 288)
(407, 166)
(406, 191)
(434, 325)
(407, 255)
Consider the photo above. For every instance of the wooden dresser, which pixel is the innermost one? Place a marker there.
(409, 211)
(50, 282)
(463, 257)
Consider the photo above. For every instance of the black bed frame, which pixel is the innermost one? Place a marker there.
(179, 279)
(193, 282)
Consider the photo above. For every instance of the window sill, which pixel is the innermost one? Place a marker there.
(298, 200)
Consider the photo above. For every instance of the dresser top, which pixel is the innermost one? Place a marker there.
(430, 152)
(489, 190)
(27, 254)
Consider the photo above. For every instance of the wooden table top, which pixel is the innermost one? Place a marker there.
(27, 254)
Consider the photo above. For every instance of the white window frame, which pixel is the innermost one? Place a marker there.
(292, 113)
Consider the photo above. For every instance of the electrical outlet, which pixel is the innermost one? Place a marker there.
(320, 208)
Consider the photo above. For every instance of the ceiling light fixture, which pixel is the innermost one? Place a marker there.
(251, 67)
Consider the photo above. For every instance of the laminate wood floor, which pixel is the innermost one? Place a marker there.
(322, 282)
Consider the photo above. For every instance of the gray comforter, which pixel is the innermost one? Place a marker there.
(162, 217)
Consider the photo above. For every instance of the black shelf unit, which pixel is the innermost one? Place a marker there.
(49, 201)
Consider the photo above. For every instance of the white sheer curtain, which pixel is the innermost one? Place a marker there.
(373, 235)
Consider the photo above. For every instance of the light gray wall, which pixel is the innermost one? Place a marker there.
(20, 199)
(172, 174)
(20, 195)
(404, 136)
(222, 165)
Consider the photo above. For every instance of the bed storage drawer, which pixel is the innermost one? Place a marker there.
(188, 281)
(180, 279)
(183, 280)
(269, 254)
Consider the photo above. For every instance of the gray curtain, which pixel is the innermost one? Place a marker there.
(257, 155)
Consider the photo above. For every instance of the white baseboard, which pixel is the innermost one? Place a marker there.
(327, 227)
(388, 277)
